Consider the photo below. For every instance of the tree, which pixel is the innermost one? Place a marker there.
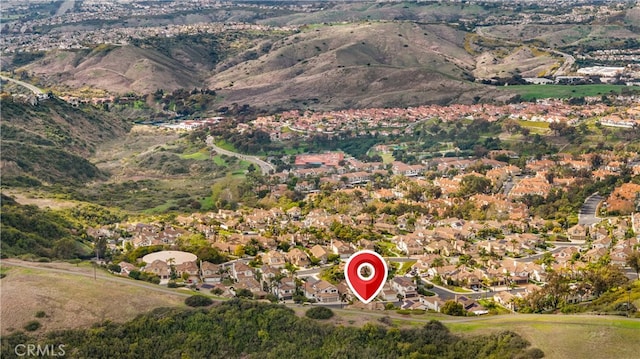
(451, 307)
(100, 247)
(198, 301)
(319, 313)
(244, 293)
(633, 261)
(65, 248)
(470, 185)
(603, 277)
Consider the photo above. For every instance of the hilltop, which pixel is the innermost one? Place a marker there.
(144, 65)
(358, 65)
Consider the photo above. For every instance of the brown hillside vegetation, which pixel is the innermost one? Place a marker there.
(357, 65)
(73, 301)
(118, 69)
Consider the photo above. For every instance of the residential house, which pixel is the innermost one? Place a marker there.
(404, 286)
(191, 269)
(126, 268)
(432, 303)
(505, 299)
(342, 249)
(322, 291)
(239, 271)
(578, 232)
(210, 273)
(471, 305)
(319, 252)
(159, 268)
(409, 246)
(274, 259)
(297, 257)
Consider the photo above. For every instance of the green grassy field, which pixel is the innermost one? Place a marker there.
(530, 92)
(565, 336)
(200, 156)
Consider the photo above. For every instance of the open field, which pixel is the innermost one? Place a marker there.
(566, 336)
(71, 298)
(74, 301)
(529, 92)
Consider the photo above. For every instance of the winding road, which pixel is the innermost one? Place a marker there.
(28, 86)
(265, 167)
(588, 212)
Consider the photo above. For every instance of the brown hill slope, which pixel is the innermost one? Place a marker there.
(118, 69)
(357, 65)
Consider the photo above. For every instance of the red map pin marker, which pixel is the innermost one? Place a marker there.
(365, 286)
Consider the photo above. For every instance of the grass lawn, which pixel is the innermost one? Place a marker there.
(565, 336)
(534, 124)
(387, 157)
(227, 146)
(530, 92)
(207, 203)
(406, 266)
(389, 248)
(218, 160)
(200, 156)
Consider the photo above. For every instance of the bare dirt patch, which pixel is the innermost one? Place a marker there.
(41, 202)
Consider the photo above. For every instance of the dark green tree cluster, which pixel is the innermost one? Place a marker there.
(44, 233)
(319, 313)
(247, 329)
(198, 301)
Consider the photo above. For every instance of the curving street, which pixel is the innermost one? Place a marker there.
(28, 86)
(265, 167)
(588, 212)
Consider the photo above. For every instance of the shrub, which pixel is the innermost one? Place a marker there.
(41, 314)
(244, 293)
(114, 268)
(198, 301)
(32, 326)
(216, 291)
(386, 320)
(319, 313)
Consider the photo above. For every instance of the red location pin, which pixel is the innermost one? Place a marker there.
(365, 286)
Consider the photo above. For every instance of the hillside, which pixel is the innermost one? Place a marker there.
(357, 65)
(49, 142)
(244, 329)
(145, 65)
(119, 69)
(33, 231)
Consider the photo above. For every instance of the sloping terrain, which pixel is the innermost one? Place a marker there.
(49, 142)
(145, 65)
(357, 65)
(116, 69)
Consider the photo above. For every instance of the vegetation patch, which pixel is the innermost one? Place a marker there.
(198, 301)
(240, 328)
(319, 313)
(533, 92)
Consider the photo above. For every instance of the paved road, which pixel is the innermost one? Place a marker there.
(30, 87)
(588, 212)
(265, 167)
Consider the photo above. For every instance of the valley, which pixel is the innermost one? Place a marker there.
(159, 156)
